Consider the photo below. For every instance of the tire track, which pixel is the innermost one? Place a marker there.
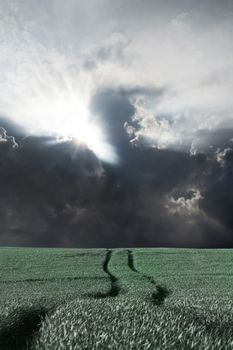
(158, 297)
(56, 279)
(115, 287)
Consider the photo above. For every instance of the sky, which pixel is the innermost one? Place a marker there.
(116, 123)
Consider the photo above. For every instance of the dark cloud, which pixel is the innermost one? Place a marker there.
(217, 190)
(112, 108)
(38, 185)
(62, 195)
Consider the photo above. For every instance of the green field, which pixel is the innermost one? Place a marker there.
(55, 299)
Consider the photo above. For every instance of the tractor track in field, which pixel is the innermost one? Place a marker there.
(131, 264)
(115, 287)
(158, 297)
(68, 279)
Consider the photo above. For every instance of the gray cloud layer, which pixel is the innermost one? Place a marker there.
(61, 195)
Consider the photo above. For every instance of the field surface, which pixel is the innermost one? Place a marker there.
(116, 299)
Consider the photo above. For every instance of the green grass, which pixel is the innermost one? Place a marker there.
(116, 299)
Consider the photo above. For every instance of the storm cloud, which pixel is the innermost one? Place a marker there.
(61, 195)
